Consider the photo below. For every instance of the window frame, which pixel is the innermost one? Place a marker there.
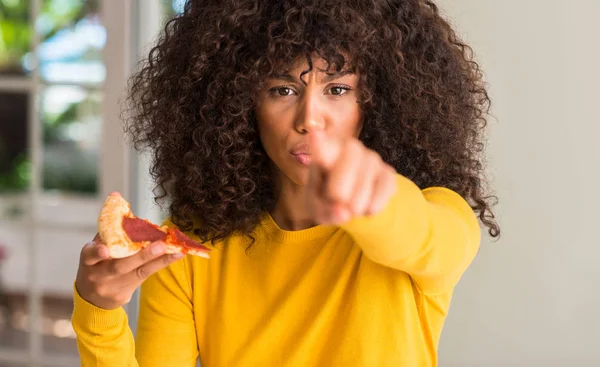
(120, 169)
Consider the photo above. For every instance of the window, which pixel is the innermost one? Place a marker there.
(170, 8)
(63, 70)
(57, 118)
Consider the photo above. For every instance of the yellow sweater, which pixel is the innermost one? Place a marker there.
(374, 292)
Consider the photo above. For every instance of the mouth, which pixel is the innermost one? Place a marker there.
(303, 158)
(301, 152)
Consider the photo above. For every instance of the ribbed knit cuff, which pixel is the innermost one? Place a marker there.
(90, 318)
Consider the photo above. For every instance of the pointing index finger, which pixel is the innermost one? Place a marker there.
(325, 150)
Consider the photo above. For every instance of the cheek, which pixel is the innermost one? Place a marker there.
(274, 120)
(270, 132)
(266, 136)
(351, 120)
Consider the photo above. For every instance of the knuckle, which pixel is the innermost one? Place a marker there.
(146, 254)
(91, 278)
(141, 272)
(374, 157)
(101, 290)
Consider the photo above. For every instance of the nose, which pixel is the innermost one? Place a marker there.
(311, 116)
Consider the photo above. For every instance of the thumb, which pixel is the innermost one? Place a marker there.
(325, 150)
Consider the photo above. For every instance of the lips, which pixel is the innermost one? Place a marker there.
(304, 159)
(301, 149)
(301, 153)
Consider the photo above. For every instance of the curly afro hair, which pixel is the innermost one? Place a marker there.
(192, 101)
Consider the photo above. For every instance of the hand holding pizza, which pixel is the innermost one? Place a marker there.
(125, 252)
(109, 283)
(347, 179)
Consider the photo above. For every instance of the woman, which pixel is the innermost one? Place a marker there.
(330, 153)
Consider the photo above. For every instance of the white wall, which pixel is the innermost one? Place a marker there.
(533, 298)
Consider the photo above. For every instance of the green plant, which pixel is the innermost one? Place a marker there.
(19, 178)
(58, 14)
(16, 28)
(15, 42)
(53, 124)
(15, 34)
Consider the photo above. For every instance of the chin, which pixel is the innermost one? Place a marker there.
(290, 173)
(299, 177)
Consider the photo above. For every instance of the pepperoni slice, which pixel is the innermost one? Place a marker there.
(184, 241)
(139, 230)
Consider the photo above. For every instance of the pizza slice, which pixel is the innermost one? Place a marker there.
(125, 234)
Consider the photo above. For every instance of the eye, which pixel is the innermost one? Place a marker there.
(282, 91)
(339, 90)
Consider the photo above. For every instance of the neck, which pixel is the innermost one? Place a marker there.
(290, 212)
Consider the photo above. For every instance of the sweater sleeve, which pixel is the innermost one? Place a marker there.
(103, 336)
(432, 235)
(166, 335)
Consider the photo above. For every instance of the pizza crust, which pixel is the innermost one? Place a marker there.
(110, 227)
(174, 249)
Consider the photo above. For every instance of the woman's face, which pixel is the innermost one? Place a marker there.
(290, 109)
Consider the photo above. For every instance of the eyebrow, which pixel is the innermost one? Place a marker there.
(330, 77)
(287, 77)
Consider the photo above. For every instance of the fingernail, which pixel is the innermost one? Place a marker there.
(157, 248)
(178, 255)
